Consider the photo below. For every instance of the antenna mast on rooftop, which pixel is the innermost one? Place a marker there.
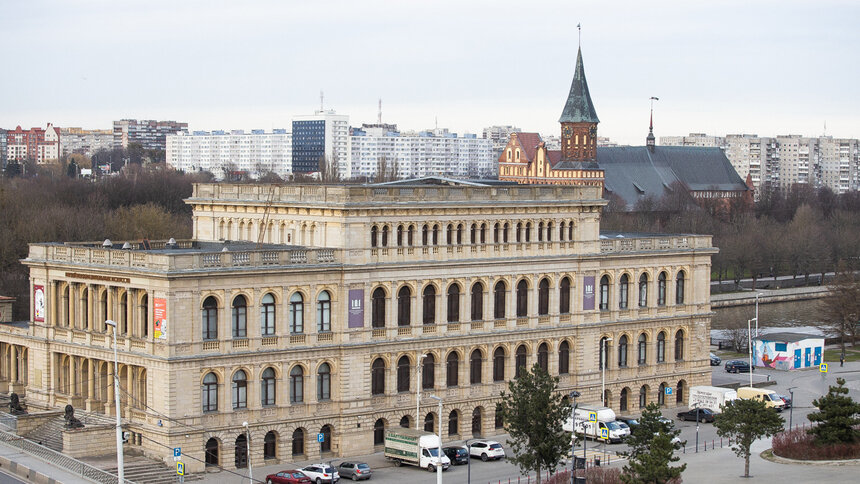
(379, 116)
(321, 100)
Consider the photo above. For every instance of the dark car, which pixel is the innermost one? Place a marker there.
(705, 415)
(715, 360)
(354, 470)
(458, 455)
(289, 476)
(738, 366)
(631, 422)
(786, 400)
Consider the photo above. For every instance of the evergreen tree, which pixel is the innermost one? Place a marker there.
(744, 421)
(651, 450)
(533, 413)
(837, 416)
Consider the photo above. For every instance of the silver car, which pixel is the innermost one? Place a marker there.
(354, 470)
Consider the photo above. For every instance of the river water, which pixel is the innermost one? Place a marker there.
(793, 316)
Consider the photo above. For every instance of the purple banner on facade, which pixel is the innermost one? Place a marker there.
(356, 308)
(588, 293)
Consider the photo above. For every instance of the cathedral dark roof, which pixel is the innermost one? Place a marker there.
(579, 108)
(636, 172)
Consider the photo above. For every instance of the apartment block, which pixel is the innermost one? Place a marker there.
(149, 133)
(223, 153)
(85, 141)
(701, 140)
(35, 144)
(318, 136)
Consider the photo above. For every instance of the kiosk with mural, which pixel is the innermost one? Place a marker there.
(788, 351)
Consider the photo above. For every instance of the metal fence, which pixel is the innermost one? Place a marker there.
(59, 459)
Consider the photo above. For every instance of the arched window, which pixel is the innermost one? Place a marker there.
(570, 231)
(661, 347)
(267, 387)
(410, 235)
(212, 452)
(475, 367)
(424, 234)
(520, 361)
(477, 422)
(240, 317)
(400, 235)
(622, 400)
(270, 443)
(452, 369)
(453, 303)
(519, 232)
(643, 290)
(385, 236)
(379, 432)
(267, 315)
(324, 312)
(297, 385)
(543, 357)
(325, 445)
(324, 382)
(459, 234)
(564, 296)
(453, 423)
(377, 310)
(679, 288)
(429, 316)
(661, 394)
(210, 393)
(496, 233)
(428, 372)
(436, 234)
(483, 233)
(499, 364)
(642, 351)
(404, 368)
(522, 299)
(298, 442)
(603, 361)
(473, 234)
(377, 377)
(540, 232)
(549, 231)
(373, 236)
(404, 422)
(543, 297)
(679, 345)
(505, 233)
(449, 237)
(429, 422)
(561, 228)
(404, 306)
(661, 289)
(499, 300)
(240, 390)
(297, 314)
(643, 396)
(564, 358)
(623, 291)
(528, 231)
(604, 293)
(679, 392)
(477, 301)
(622, 351)
(499, 421)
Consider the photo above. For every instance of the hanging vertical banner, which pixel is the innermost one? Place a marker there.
(587, 293)
(39, 303)
(159, 313)
(356, 308)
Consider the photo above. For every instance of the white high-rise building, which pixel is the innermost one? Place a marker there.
(701, 140)
(324, 134)
(223, 153)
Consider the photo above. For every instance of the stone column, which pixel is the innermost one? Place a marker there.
(91, 312)
(53, 300)
(13, 364)
(129, 312)
(109, 405)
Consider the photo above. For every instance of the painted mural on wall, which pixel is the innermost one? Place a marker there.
(767, 356)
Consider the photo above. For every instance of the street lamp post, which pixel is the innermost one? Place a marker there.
(574, 394)
(248, 451)
(439, 467)
(604, 355)
(696, 406)
(791, 409)
(750, 345)
(469, 460)
(418, 384)
(120, 471)
(756, 313)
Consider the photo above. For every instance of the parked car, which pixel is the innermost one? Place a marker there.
(738, 366)
(786, 400)
(631, 423)
(705, 415)
(289, 476)
(458, 455)
(320, 473)
(665, 420)
(354, 470)
(487, 449)
(715, 360)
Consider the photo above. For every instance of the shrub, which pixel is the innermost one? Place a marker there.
(798, 444)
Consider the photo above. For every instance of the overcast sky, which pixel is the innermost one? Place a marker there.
(765, 67)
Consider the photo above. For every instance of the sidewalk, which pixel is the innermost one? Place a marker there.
(33, 469)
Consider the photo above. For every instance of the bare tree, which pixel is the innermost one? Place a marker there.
(386, 170)
(840, 310)
(329, 168)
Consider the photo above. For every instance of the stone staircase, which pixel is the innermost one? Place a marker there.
(49, 434)
(142, 470)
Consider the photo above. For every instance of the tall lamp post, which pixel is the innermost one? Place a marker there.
(574, 395)
(120, 471)
(469, 460)
(248, 451)
(604, 355)
(791, 409)
(696, 406)
(750, 338)
(418, 384)
(439, 467)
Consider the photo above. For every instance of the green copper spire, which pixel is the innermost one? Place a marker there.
(578, 108)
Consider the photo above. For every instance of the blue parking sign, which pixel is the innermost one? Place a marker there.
(320, 438)
(668, 390)
(177, 451)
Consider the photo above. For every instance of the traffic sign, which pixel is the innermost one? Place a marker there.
(592, 416)
(668, 390)
(823, 368)
(604, 434)
(180, 468)
(177, 454)
(320, 437)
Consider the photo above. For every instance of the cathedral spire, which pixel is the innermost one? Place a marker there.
(579, 108)
(649, 140)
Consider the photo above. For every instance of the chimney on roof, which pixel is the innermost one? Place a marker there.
(649, 140)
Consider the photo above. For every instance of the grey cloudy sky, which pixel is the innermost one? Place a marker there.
(766, 67)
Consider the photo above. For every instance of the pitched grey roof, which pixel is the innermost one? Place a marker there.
(786, 337)
(634, 172)
(579, 108)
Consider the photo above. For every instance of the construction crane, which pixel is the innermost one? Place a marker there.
(264, 224)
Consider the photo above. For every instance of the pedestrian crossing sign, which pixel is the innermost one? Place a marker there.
(592, 416)
(180, 468)
(604, 434)
(823, 368)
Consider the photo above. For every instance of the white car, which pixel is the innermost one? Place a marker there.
(486, 450)
(321, 473)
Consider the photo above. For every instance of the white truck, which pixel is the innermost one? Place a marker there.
(414, 447)
(711, 397)
(596, 423)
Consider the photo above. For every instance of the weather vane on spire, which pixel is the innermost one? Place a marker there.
(579, 27)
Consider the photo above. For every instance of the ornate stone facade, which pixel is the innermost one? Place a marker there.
(465, 281)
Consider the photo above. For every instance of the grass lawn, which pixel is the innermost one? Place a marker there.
(851, 354)
(731, 355)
